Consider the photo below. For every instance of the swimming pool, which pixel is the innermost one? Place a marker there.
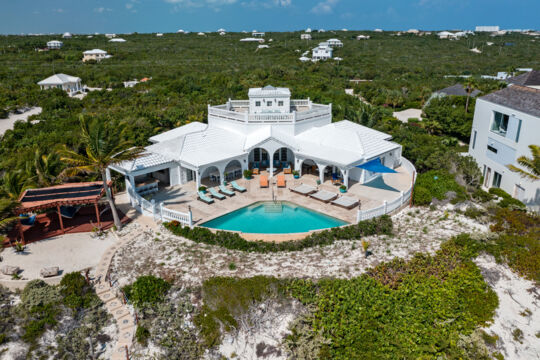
(268, 217)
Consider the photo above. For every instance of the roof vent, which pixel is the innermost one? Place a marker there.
(269, 87)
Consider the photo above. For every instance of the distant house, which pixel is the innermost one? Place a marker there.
(305, 37)
(308, 30)
(67, 35)
(304, 59)
(68, 83)
(263, 47)
(222, 33)
(117, 40)
(501, 75)
(322, 53)
(257, 34)
(413, 31)
(505, 123)
(180, 31)
(221, 30)
(110, 36)
(251, 39)
(446, 35)
(362, 37)
(201, 34)
(334, 43)
(529, 79)
(322, 30)
(54, 44)
(159, 34)
(455, 90)
(130, 84)
(487, 28)
(94, 54)
(378, 30)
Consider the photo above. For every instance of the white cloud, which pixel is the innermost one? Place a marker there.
(283, 3)
(129, 6)
(60, 10)
(324, 7)
(102, 9)
(202, 3)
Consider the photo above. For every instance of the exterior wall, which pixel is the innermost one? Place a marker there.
(322, 53)
(68, 87)
(507, 149)
(269, 104)
(97, 57)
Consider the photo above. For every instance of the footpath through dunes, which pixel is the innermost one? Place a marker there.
(7, 124)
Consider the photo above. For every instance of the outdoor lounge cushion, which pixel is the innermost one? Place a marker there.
(304, 189)
(10, 270)
(225, 191)
(281, 180)
(205, 198)
(287, 170)
(324, 195)
(346, 202)
(263, 181)
(69, 211)
(49, 271)
(255, 171)
(216, 194)
(237, 187)
(28, 221)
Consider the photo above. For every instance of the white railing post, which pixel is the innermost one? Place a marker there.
(153, 202)
(161, 211)
(385, 206)
(401, 199)
(190, 217)
(358, 215)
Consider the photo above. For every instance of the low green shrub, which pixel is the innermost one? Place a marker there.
(142, 335)
(482, 196)
(77, 293)
(437, 183)
(421, 196)
(147, 290)
(378, 226)
(507, 200)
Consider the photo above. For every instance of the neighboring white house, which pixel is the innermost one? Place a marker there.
(268, 130)
(159, 34)
(256, 33)
(305, 36)
(68, 83)
(130, 83)
(117, 40)
(334, 43)
(110, 36)
(322, 53)
(362, 37)
(54, 44)
(505, 123)
(308, 30)
(67, 35)
(487, 28)
(252, 39)
(94, 54)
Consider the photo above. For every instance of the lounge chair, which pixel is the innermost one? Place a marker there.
(263, 181)
(28, 220)
(281, 181)
(346, 202)
(287, 168)
(255, 171)
(69, 211)
(335, 179)
(304, 189)
(237, 187)
(277, 164)
(215, 194)
(203, 197)
(324, 196)
(224, 190)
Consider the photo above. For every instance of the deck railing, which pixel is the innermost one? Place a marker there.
(396, 204)
(158, 211)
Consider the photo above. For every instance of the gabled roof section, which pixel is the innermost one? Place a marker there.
(94, 52)
(59, 79)
(458, 90)
(531, 78)
(520, 98)
(147, 160)
(269, 90)
(179, 131)
(266, 133)
(212, 145)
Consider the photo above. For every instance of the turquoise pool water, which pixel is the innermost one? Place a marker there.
(267, 217)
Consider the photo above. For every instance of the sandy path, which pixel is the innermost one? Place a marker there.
(7, 124)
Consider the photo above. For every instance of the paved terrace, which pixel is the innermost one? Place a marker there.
(371, 195)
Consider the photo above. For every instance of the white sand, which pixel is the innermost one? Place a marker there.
(518, 309)
(70, 252)
(405, 115)
(7, 124)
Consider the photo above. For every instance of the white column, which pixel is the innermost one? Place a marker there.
(190, 214)
(271, 166)
(346, 179)
(321, 172)
(197, 179)
(221, 176)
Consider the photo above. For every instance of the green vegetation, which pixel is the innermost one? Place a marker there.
(378, 226)
(532, 164)
(436, 184)
(507, 200)
(147, 290)
(447, 116)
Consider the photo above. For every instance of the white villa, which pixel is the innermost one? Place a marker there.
(256, 33)
(67, 35)
(362, 37)
(94, 54)
(305, 37)
(68, 83)
(118, 40)
(54, 44)
(334, 43)
(268, 131)
(322, 52)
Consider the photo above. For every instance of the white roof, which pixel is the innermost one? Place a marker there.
(117, 40)
(303, 58)
(54, 42)
(252, 39)
(263, 47)
(269, 90)
(159, 34)
(94, 52)
(59, 79)
(201, 33)
(178, 132)
(145, 161)
(221, 30)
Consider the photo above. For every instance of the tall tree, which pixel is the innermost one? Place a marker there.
(102, 148)
(532, 164)
(470, 86)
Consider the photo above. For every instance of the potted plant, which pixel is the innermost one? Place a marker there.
(248, 173)
(19, 247)
(202, 188)
(225, 178)
(342, 189)
(296, 174)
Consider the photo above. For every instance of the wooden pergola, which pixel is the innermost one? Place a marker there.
(70, 194)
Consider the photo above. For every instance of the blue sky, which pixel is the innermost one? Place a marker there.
(89, 16)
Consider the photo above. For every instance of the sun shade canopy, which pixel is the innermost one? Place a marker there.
(65, 194)
(376, 166)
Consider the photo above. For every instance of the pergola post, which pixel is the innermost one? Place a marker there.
(60, 219)
(21, 232)
(97, 214)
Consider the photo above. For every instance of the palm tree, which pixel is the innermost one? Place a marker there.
(6, 207)
(102, 148)
(532, 164)
(470, 86)
(47, 168)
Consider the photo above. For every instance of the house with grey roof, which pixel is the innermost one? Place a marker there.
(505, 123)
(68, 83)
(455, 90)
(530, 79)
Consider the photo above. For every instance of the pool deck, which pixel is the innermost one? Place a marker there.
(371, 195)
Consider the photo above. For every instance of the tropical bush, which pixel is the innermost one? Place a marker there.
(381, 225)
(507, 200)
(436, 184)
(147, 290)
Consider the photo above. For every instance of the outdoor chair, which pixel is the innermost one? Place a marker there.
(205, 198)
(28, 220)
(237, 187)
(263, 181)
(281, 181)
(255, 171)
(225, 191)
(215, 194)
(69, 211)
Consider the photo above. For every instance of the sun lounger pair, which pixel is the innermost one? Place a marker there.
(263, 181)
(237, 187)
(204, 198)
(215, 194)
(304, 189)
(281, 181)
(346, 202)
(224, 190)
(324, 196)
